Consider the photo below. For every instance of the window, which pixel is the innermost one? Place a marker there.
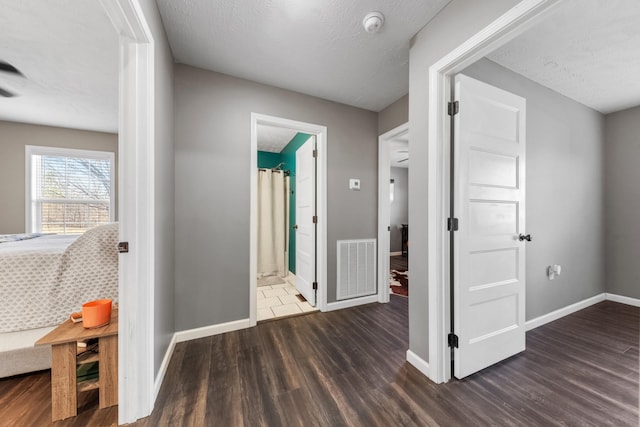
(68, 191)
(391, 190)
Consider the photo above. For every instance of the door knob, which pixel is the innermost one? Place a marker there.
(523, 237)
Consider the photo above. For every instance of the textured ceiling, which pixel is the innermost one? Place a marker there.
(316, 47)
(399, 152)
(273, 139)
(588, 50)
(68, 51)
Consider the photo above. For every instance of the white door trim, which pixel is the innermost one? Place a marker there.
(513, 23)
(384, 208)
(321, 206)
(135, 210)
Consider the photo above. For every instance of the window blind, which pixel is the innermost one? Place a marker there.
(70, 194)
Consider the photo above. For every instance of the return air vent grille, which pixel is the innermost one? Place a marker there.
(356, 268)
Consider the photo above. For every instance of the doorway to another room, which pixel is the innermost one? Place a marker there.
(393, 213)
(282, 197)
(286, 220)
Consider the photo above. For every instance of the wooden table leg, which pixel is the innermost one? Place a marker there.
(64, 393)
(108, 351)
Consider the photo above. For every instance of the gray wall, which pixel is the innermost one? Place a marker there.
(13, 138)
(564, 192)
(394, 115)
(622, 202)
(454, 24)
(164, 185)
(399, 211)
(213, 120)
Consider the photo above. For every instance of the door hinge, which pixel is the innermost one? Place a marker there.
(315, 153)
(454, 107)
(315, 286)
(123, 247)
(453, 340)
(452, 224)
(315, 219)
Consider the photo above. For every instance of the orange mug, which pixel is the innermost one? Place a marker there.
(96, 313)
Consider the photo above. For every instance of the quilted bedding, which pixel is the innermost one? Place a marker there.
(43, 280)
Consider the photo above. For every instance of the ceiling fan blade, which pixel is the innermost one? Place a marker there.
(6, 93)
(403, 160)
(5, 66)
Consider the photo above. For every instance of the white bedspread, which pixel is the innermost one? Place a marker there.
(43, 280)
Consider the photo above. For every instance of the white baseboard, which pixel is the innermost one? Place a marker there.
(163, 368)
(339, 305)
(395, 253)
(207, 331)
(624, 300)
(557, 314)
(419, 363)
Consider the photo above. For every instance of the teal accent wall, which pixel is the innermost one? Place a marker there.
(268, 160)
(288, 156)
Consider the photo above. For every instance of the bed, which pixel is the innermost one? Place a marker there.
(42, 280)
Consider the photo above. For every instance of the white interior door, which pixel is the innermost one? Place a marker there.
(305, 227)
(489, 195)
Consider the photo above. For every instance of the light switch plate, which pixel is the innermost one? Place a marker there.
(354, 184)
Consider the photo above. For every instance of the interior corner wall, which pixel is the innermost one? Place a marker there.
(564, 191)
(454, 24)
(394, 115)
(213, 134)
(622, 202)
(399, 209)
(164, 186)
(13, 139)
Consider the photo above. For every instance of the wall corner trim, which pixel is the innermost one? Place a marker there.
(623, 300)
(163, 369)
(419, 363)
(339, 305)
(207, 331)
(565, 311)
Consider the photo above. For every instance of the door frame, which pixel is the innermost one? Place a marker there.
(136, 173)
(384, 207)
(321, 206)
(508, 26)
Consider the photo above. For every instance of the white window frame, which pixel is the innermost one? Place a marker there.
(37, 150)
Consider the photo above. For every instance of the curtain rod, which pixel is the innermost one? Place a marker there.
(286, 173)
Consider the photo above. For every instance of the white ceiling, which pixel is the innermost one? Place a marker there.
(273, 139)
(588, 50)
(68, 51)
(316, 47)
(399, 151)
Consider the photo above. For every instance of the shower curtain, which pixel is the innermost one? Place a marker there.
(273, 223)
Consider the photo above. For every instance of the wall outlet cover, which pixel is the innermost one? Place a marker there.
(354, 184)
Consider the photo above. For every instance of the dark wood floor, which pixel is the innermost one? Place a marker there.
(25, 400)
(399, 262)
(348, 368)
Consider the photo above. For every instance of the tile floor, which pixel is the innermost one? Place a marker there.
(280, 300)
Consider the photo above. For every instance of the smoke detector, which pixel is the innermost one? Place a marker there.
(373, 22)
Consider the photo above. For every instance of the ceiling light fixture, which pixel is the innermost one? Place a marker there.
(373, 22)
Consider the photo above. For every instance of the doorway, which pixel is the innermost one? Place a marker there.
(286, 242)
(393, 217)
(288, 218)
(510, 25)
